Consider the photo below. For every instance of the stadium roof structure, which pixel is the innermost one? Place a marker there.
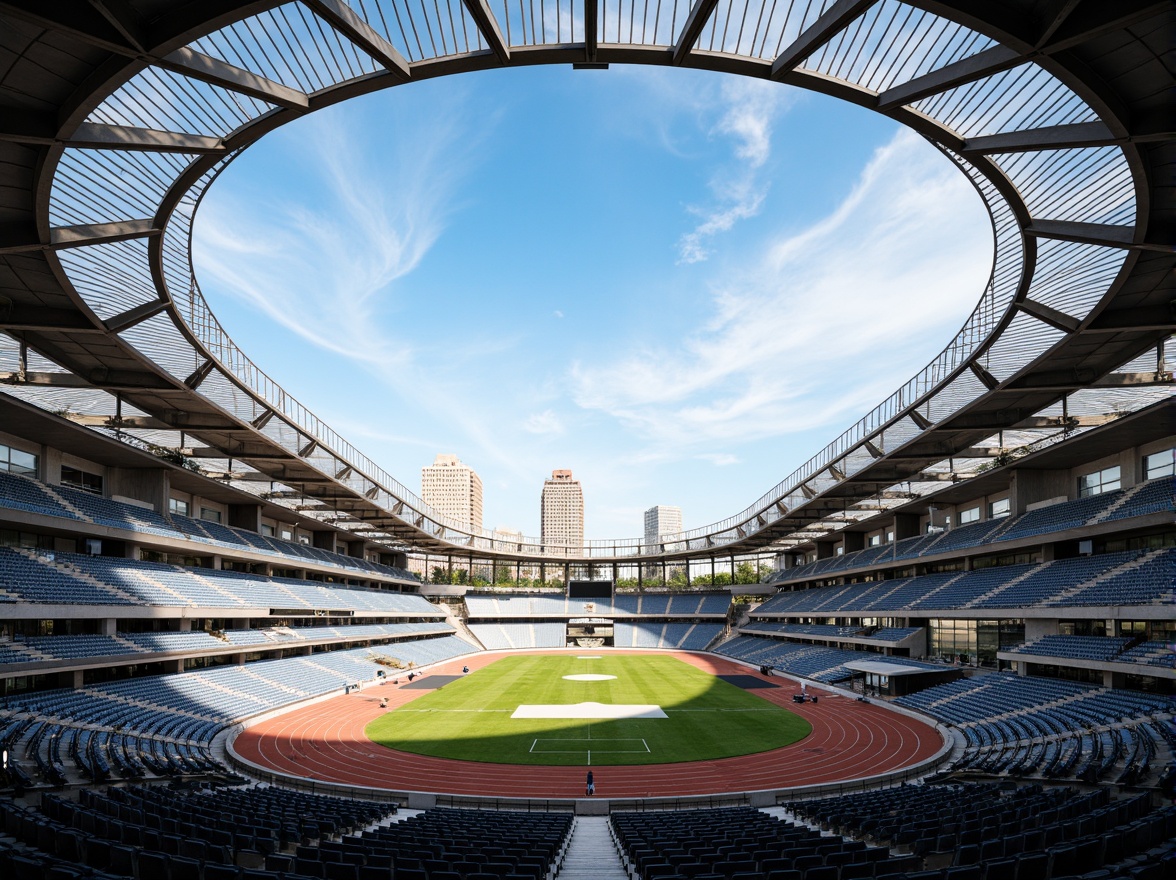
(116, 116)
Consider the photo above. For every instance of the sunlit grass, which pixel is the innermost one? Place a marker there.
(470, 719)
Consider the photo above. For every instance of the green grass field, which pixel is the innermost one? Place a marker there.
(470, 719)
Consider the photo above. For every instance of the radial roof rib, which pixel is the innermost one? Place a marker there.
(1104, 234)
(700, 13)
(220, 73)
(346, 21)
(591, 29)
(61, 237)
(488, 26)
(99, 136)
(831, 22)
(966, 70)
(78, 19)
(1082, 134)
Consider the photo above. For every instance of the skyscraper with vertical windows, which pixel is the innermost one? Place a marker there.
(661, 520)
(562, 514)
(453, 489)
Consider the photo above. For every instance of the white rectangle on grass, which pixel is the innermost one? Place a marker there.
(573, 745)
(589, 711)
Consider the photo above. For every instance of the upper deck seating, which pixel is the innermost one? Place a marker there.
(1155, 496)
(70, 578)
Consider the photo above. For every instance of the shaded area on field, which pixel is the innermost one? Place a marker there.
(430, 682)
(748, 682)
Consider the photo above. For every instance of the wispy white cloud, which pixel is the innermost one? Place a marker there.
(737, 189)
(822, 324)
(546, 422)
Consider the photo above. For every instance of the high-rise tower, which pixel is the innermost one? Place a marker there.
(453, 489)
(562, 514)
(659, 521)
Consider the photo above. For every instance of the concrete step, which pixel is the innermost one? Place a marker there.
(592, 855)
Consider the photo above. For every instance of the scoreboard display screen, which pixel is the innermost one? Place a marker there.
(590, 589)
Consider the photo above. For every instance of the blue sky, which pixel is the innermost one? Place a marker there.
(678, 284)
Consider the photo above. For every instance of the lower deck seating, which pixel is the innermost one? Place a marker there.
(990, 831)
(741, 842)
(192, 707)
(1021, 725)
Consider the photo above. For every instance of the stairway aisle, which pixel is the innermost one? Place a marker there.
(592, 855)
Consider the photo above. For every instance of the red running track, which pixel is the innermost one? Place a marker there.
(326, 741)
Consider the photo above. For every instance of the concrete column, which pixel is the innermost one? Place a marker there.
(906, 525)
(185, 624)
(149, 485)
(238, 659)
(108, 626)
(245, 516)
(854, 541)
(171, 666)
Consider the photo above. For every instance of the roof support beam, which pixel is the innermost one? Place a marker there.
(123, 19)
(235, 79)
(831, 22)
(591, 38)
(1057, 320)
(1104, 234)
(199, 375)
(346, 21)
(23, 240)
(45, 380)
(77, 19)
(1086, 21)
(108, 380)
(919, 419)
(1056, 137)
(16, 317)
(134, 316)
(480, 12)
(986, 378)
(98, 136)
(958, 73)
(700, 14)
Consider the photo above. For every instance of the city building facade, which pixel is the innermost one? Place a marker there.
(562, 514)
(454, 489)
(661, 520)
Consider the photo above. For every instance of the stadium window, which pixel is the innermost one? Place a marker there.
(207, 513)
(17, 461)
(267, 530)
(971, 515)
(890, 537)
(178, 507)
(1106, 480)
(875, 540)
(840, 551)
(999, 508)
(79, 479)
(287, 535)
(303, 539)
(1160, 464)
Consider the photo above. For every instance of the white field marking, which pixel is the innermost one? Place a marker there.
(589, 711)
(537, 749)
(588, 676)
(592, 657)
